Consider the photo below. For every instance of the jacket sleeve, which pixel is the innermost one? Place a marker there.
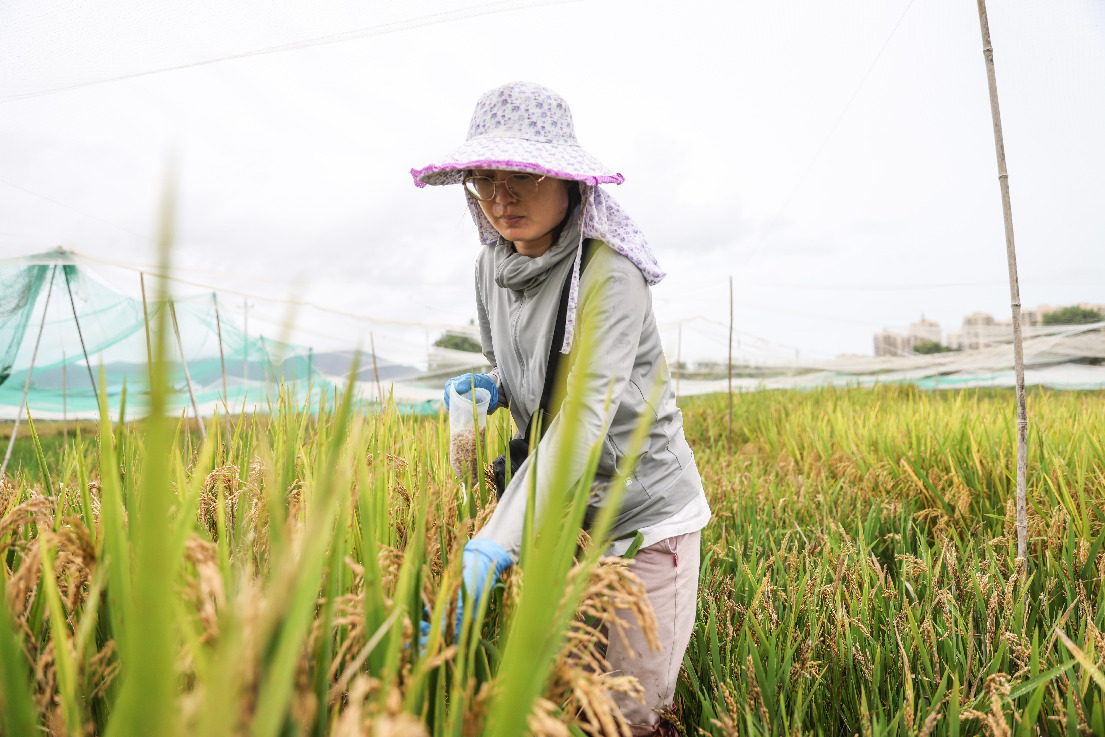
(613, 305)
(486, 344)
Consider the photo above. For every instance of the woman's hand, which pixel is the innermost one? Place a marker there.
(484, 561)
(463, 384)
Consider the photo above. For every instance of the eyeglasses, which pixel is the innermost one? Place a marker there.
(520, 186)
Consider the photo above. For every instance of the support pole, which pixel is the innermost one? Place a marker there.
(146, 319)
(64, 401)
(375, 373)
(222, 362)
(76, 320)
(245, 334)
(222, 358)
(1014, 297)
(187, 378)
(730, 364)
(30, 370)
(269, 372)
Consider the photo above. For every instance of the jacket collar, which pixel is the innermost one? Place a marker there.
(522, 273)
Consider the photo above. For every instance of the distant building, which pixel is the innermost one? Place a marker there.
(979, 330)
(1035, 316)
(890, 343)
(925, 331)
(1045, 310)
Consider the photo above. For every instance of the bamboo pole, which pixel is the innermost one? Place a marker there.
(77, 322)
(146, 319)
(270, 371)
(730, 364)
(222, 363)
(245, 334)
(219, 330)
(187, 378)
(64, 401)
(375, 373)
(1014, 296)
(30, 370)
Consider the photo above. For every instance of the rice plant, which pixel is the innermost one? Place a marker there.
(296, 573)
(862, 575)
(859, 577)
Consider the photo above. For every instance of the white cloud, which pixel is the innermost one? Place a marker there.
(293, 166)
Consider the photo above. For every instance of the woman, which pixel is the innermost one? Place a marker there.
(534, 195)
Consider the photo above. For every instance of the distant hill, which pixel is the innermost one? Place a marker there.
(208, 371)
(340, 363)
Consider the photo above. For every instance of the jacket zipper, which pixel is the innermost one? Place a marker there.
(514, 341)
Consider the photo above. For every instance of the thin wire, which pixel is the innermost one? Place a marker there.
(64, 206)
(278, 300)
(802, 179)
(910, 287)
(719, 323)
(369, 31)
(357, 343)
(27, 385)
(814, 316)
(77, 322)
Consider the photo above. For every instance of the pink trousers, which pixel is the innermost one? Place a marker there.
(669, 571)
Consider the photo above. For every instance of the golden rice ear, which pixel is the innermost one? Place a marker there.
(582, 679)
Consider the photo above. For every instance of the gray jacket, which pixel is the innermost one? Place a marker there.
(516, 299)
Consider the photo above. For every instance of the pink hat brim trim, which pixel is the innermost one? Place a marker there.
(519, 165)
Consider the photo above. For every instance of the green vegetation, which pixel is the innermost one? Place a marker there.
(272, 579)
(1073, 315)
(858, 577)
(861, 575)
(927, 347)
(458, 342)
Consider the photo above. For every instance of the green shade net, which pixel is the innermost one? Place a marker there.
(114, 332)
(19, 288)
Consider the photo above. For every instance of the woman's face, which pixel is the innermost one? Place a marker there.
(528, 223)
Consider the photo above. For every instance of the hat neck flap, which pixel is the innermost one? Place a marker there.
(601, 218)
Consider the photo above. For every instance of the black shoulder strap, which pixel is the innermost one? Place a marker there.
(552, 368)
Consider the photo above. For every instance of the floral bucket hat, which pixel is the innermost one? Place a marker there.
(521, 127)
(526, 127)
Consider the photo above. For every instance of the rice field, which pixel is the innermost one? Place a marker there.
(859, 577)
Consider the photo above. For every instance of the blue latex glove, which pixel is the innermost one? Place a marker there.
(463, 384)
(424, 633)
(483, 557)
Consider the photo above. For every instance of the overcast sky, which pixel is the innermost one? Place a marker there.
(836, 159)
